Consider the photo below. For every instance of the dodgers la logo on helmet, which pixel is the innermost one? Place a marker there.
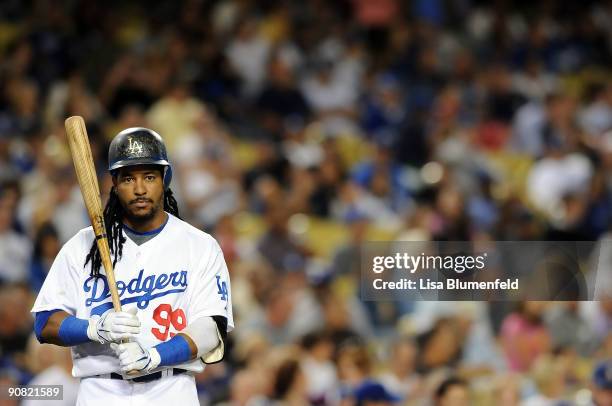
(134, 146)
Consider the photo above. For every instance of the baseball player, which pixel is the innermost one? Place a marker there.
(172, 281)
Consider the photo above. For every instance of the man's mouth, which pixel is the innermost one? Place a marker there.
(140, 203)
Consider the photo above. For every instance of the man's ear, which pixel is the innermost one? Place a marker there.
(115, 177)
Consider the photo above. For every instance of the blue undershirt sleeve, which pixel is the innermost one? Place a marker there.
(174, 351)
(73, 331)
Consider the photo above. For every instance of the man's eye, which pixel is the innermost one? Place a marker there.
(128, 179)
(150, 178)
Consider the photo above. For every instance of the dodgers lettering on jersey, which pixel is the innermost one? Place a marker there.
(143, 290)
(174, 278)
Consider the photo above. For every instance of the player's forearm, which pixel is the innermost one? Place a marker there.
(179, 349)
(193, 349)
(64, 329)
(60, 328)
(175, 351)
(50, 331)
(198, 339)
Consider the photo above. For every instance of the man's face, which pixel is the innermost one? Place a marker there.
(141, 191)
(602, 397)
(456, 395)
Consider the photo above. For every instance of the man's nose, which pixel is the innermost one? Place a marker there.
(139, 188)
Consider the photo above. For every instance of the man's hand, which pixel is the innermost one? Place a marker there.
(113, 327)
(133, 357)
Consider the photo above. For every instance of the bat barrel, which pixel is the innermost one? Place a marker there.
(88, 181)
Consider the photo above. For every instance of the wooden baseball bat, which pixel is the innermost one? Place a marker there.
(88, 181)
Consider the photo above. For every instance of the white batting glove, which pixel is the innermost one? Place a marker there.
(113, 327)
(133, 357)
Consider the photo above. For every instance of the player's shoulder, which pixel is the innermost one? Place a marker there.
(83, 237)
(192, 233)
(79, 244)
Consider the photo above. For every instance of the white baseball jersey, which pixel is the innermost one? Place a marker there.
(172, 279)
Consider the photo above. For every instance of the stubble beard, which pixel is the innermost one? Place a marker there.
(138, 216)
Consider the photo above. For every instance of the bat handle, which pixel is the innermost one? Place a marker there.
(115, 298)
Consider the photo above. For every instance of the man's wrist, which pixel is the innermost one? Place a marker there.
(174, 351)
(74, 331)
(92, 329)
(155, 359)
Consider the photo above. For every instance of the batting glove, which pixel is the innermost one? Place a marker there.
(133, 357)
(113, 327)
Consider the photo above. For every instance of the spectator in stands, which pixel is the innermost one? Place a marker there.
(601, 385)
(524, 336)
(371, 393)
(290, 385)
(452, 392)
(46, 247)
(318, 368)
(401, 378)
(15, 248)
(52, 365)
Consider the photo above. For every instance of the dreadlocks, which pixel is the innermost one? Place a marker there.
(113, 219)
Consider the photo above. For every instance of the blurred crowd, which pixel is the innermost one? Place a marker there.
(297, 131)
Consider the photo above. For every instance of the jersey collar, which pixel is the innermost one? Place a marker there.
(152, 232)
